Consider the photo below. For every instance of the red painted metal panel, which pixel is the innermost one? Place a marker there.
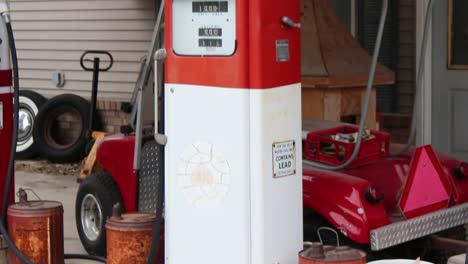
(459, 184)
(253, 65)
(5, 141)
(340, 198)
(427, 187)
(386, 176)
(6, 78)
(265, 29)
(115, 154)
(220, 71)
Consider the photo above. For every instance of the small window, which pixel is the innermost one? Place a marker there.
(458, 34)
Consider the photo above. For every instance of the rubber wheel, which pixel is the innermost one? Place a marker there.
(29, 104)
(96, 196)
(61, 128)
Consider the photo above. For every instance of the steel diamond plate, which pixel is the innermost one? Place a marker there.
(400, 232)
(149, 176)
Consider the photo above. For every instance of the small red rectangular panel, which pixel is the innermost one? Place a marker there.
(6, 78)
(266, 30)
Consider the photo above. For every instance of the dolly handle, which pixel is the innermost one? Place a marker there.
(96, 52)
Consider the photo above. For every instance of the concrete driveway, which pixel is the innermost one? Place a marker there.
(60, 188)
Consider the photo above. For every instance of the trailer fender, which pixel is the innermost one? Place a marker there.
(340, 199)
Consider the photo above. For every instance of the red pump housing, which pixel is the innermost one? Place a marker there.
(6, 129)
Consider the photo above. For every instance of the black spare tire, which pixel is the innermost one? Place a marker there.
(96, 196)
(61, 128)
(29, 104)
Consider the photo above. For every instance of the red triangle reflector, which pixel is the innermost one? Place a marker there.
(427, 187)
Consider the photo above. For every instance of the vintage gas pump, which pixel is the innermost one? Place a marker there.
(233, 124)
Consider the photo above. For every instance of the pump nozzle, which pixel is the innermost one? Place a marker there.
(5, 10)
(289, 22)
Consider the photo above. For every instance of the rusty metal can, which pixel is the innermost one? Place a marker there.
(36, 228)
(129, 238)
(320, 254)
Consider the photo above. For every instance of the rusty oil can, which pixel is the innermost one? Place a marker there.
(129, 238)
(317, 253)
(36, 228)
(320, 254)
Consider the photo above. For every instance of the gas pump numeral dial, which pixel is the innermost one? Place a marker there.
(209, 43)
(210, 7)
(210, 32)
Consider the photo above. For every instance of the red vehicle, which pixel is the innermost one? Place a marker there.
(380, 200)
(371, 202)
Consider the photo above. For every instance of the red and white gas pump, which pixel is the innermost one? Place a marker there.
(233, 124)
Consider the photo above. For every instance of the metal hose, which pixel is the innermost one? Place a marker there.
(365, 109)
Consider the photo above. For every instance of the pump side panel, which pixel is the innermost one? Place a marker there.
(276, 199)
(207, 175)
(275, 120)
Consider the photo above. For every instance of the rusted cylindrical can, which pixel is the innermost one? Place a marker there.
(36, 228)
(129, 239)
(320, 254)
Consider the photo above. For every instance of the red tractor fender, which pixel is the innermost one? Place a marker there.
(115, 155)
(341, 200)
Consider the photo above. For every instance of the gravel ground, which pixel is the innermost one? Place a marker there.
(46, 167)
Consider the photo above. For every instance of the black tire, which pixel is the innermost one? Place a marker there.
(29, 104)
(99, 189)
(55, 142)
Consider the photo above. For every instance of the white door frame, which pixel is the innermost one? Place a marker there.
(424, 135)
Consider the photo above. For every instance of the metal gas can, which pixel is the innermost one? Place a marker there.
(320, 254)
(36, 228)
(129, 238)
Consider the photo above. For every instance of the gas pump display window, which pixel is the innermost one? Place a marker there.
(204, 28)
(210, 7)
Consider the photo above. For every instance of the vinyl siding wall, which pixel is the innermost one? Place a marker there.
(52, 35)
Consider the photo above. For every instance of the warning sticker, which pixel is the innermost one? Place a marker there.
(284, 159)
